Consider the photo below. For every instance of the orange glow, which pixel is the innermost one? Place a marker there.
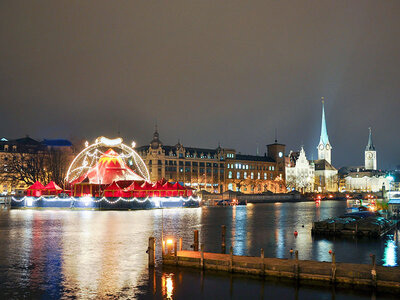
(170, 241)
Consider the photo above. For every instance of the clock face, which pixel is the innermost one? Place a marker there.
(321, 147)
(369, 155)
(280, 154)
(327, 147)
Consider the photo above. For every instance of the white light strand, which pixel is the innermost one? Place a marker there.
(90, 199)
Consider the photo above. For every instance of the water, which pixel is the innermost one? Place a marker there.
(101, 254)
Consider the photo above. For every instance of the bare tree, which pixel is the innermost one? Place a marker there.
(43, 165)
(24, 167)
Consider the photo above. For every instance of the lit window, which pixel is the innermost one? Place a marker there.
(245, 175)
(230, 174)
(230, 186)
(258, 175)
(265, 176)
(252, 175)
(238, 175)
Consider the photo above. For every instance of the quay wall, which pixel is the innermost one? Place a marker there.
(387, 278)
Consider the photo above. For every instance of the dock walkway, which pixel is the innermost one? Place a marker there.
(345, 273)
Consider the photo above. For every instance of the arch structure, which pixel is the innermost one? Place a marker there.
(106, 161)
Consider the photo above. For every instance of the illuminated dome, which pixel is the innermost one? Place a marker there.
(107, 161)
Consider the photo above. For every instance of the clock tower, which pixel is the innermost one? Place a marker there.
(324, 147)
(370, 154)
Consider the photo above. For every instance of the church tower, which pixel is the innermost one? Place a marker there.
(324, 147)
(370, 154)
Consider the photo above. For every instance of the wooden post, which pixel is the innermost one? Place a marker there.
(202, 256)
(151, 251)
(180, 244)
(231, 259)
(296, 266)
(262, 261)
(373, 271)
(356, 228)
(175, 248)
(196, 241)
(223, 234)
(333, 278)
(176, 252)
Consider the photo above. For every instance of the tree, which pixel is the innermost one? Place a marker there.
(24, 167)
(44, 165)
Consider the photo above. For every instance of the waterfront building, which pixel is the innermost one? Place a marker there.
(326, 175)
(365, 178)
(25, 160)
(300, 173)
(215, 170)
(370, 154)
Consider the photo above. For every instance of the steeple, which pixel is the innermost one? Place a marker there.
(324, 146)
(370, 154)
(324, 133)
(370, 145)
(155, 142)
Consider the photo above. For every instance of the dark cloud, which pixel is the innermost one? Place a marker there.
(207, 71)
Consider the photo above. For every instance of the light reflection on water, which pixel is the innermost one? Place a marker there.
(101, 254)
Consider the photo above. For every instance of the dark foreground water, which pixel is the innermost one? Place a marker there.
(102, 254)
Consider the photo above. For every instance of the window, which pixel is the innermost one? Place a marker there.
(230, 186)
(238, 175)
(245, 175)
(252, 175)
(265, 176)
(230, 175)
(258, 175)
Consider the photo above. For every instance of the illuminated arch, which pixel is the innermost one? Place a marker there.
(88, 158)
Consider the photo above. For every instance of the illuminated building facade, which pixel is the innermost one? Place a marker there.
(326, 175)
(15, 149)
(365, 178)
(215, 170)
(300, 176)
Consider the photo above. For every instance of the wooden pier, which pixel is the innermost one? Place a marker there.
(345, 273)
(361, 275)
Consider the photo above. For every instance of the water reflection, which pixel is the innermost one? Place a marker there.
(389, 256)
(101, 254)
(240, 230)
(167, 285)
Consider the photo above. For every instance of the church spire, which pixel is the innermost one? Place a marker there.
(370, 145)
(324, 133)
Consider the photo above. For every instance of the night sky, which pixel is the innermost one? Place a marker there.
(206, 72)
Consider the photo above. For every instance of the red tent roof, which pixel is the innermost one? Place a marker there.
(110, 168)
(168, 186)
(36, 186)
(158, 186)
(147, 186)
(113, 187)
(52, 186)
(134, 186)
(178, 186)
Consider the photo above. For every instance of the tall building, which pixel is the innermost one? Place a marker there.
(324, 147)
(215, 170)
(326, 179)
(300, 176)
(370, 154)
(365, 178)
